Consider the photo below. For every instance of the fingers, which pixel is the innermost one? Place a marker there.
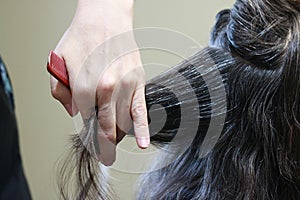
(139, 117)
(63, 94)
(118, 106)
(107, 109)
(131, 107)
(106, 134)
(107, 154)
(124, 93)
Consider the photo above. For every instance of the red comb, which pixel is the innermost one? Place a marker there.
(56, 67)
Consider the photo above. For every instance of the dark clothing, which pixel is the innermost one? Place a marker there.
(13, 185)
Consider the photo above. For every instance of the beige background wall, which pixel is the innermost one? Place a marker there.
(28, 30)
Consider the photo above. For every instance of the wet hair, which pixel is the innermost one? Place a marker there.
(255, 48)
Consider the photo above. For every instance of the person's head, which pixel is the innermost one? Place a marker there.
(255, 47)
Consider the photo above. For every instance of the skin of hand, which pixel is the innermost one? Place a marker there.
(116, 89)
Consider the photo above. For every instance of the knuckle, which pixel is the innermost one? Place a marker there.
(106, 124)
(128, 82)
(107, 85)
(104, 110)
(138, 109)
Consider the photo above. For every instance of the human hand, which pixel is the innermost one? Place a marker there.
(115, 88)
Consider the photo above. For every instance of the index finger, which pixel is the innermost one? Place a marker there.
(140, 119)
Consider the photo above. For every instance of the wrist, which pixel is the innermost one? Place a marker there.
(102, 8)
(110, 15)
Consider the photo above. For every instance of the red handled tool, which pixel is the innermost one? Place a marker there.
(56, 67)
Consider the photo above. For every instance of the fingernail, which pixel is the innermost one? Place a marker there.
(143, 142)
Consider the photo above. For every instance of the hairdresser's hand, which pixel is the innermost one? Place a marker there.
(117, 89)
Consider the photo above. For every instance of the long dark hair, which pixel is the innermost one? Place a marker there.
(255, 47)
